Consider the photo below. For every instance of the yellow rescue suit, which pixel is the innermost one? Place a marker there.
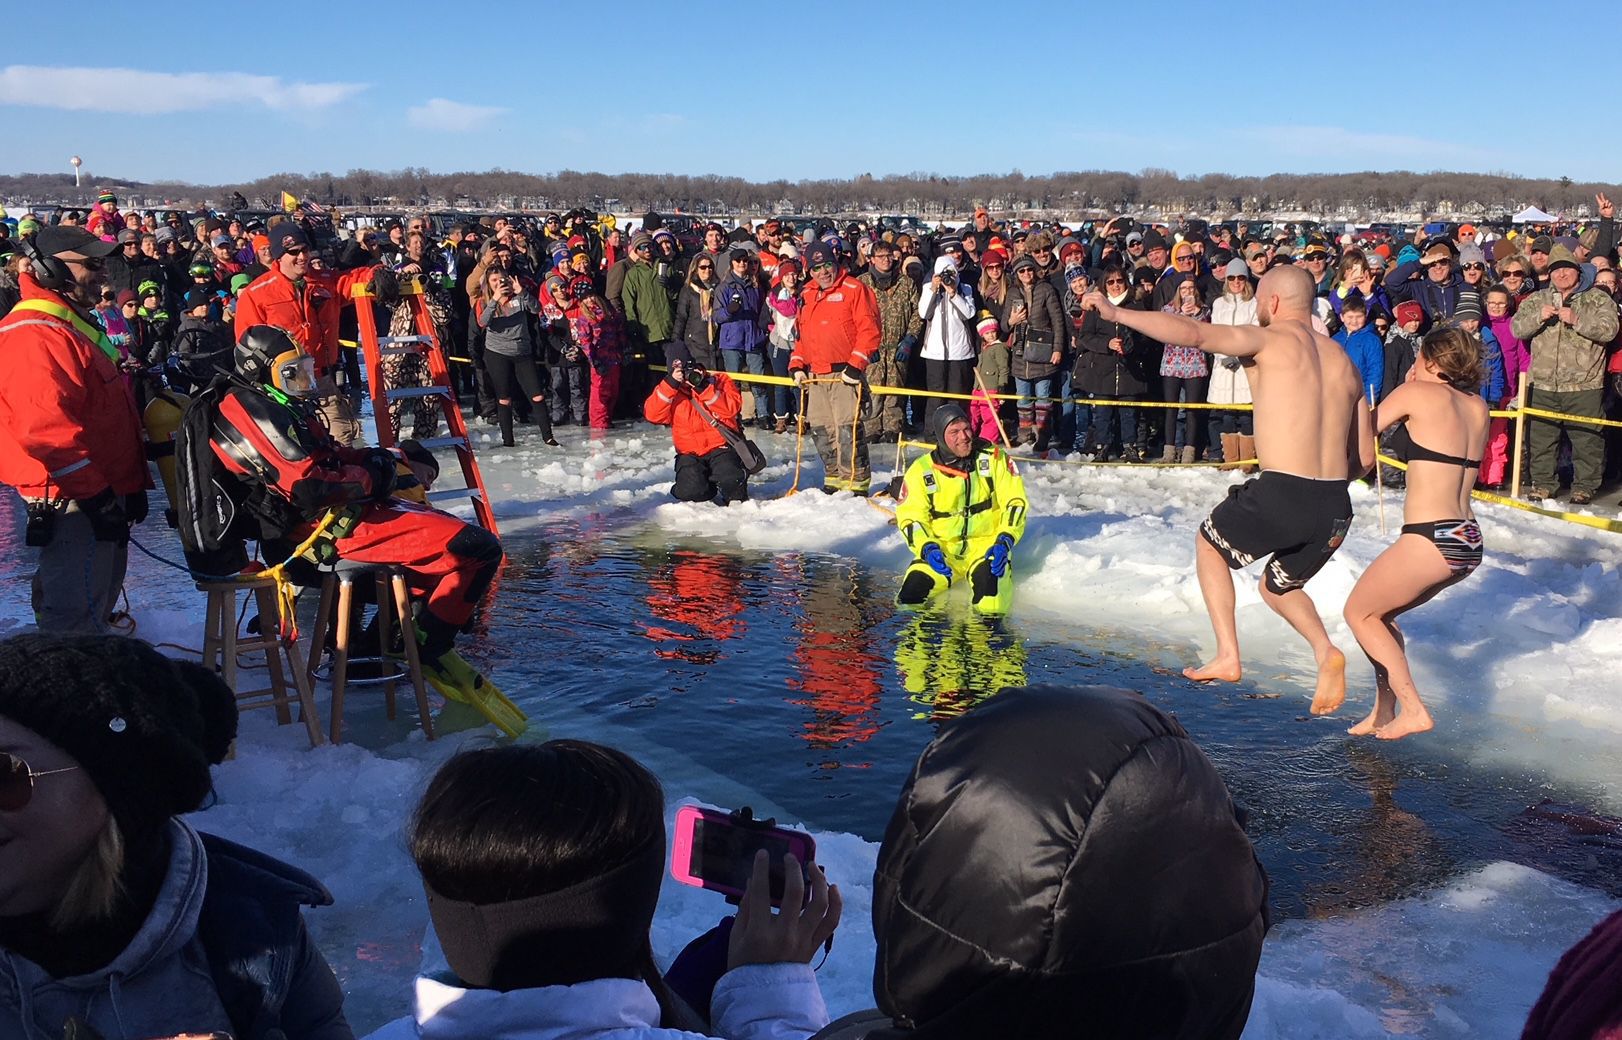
(963, 511)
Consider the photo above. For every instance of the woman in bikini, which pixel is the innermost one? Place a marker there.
(1446, 430)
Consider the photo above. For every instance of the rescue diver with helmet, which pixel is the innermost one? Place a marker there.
(962, 510)
(266, 430)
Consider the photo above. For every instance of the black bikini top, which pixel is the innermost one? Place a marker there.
(1405, 445)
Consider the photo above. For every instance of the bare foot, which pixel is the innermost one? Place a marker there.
(1380, 716)
(1221, 669)
(1412, 720)
(1331, 691)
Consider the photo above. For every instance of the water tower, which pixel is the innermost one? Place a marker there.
(77, 162)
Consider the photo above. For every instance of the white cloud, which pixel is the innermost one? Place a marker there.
(138, 91)
(440, 114)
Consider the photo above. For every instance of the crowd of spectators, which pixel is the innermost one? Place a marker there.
(559, 317)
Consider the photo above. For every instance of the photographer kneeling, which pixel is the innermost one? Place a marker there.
(692, 401)
(542, 867)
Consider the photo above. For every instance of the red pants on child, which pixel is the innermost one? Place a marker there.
(983, 417)
(605, 392)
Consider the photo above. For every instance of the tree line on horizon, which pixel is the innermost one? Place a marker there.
(1070, 191)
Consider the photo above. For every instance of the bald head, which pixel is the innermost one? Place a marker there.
(1284, 292)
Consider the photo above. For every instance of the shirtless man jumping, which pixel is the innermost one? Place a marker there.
(1313, 433)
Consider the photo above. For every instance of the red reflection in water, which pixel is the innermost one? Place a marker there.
(700, 595)
(838, 668)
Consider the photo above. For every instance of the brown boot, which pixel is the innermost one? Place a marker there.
(782, 424)
(1230, 451)
(1189, 455)
(1247, 450)
(1168, 453)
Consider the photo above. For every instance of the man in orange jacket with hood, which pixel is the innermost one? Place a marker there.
(71, 440)
(707, 467)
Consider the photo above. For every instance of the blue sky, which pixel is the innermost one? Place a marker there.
(801, 90)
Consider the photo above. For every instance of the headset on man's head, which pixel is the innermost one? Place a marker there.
(49, 271)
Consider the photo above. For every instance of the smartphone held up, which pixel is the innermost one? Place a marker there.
(716, 850)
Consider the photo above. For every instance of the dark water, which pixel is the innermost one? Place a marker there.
(795, 675)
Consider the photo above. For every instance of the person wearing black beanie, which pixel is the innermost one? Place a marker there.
(109, 902)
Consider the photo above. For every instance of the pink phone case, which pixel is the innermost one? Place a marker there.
(681, 849)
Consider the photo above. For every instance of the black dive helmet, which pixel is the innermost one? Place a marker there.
(268, 356)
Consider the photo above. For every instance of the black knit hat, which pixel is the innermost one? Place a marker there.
(143, 726)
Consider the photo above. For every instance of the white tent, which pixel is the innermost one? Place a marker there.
(1532, 215)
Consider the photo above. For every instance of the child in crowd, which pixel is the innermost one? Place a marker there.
(1362, 346)
(600, 335)
(783, 309)
(1401, 346)
(991, 376)
(1517, 362)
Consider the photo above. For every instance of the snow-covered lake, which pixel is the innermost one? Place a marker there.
(751, 656)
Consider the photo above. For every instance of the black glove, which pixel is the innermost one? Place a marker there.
(851, 375)
(384, 285)
(380, 463)
(105, 511)
(135, 506)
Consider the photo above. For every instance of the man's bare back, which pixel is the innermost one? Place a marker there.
(1312, 433)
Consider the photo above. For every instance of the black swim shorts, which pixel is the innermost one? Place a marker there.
(1300, 520)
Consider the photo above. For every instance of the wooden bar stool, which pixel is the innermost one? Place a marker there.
(221, 644)
(338, 592)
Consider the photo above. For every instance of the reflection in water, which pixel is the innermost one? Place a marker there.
(836, 663)
(950, 661)
(701, 595)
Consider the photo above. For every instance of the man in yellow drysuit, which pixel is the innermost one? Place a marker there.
(962, 509)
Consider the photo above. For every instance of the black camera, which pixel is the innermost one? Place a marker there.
(41, 525)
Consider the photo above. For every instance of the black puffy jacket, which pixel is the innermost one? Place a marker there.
(1066, 863)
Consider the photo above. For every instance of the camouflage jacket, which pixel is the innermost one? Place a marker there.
(1567, 357)
(898, 310)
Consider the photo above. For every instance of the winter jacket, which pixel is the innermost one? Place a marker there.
(962, 510)
(995, 368)
(1377, 302)
(1045, 332)
(647, 306)
(1408, 281)
(69, 427)
(223, 948)
(1400, 353)
(673, 407)
(309, 314)
(1102, 372)
(898, 309)
(1567, 357)
(838, 326)
(693, 326)
(736, 311)
(752, 1002)
(1517, 359)
(129, 274)
(1492, 390)
(104, 223)
(783, 309)
(601, 340)
(1368, 355)
(946, 320)
(1229, 383)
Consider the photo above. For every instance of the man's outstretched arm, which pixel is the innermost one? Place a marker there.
(1232, 340)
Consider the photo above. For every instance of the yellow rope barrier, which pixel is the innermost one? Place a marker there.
(1597, 522)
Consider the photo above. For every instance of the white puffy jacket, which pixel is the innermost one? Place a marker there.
(1229, 385)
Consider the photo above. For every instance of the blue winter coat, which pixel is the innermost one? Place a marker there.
(1368, 354)
(737, 316)
(1493, 390)
(1408, 281)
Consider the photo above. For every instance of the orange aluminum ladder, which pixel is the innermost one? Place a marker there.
(375, 348)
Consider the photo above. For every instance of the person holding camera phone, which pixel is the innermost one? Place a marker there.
(687, 399)
(507, 316)
(1037, 332)
(542, 866)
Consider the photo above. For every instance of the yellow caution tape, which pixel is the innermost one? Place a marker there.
(1587, 520)
(1586, 420)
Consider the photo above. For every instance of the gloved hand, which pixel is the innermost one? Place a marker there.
(850, 375)
(380, 464)
(997, 555)
(936, 560)
(733, 300)
(903, 350)
(676, 378)
(135, 507)
(799, 375)
(385, 285)
(105, 511)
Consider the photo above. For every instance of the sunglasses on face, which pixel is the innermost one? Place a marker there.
(295, 251)
(1475, 267)
(1437, 263)
(17, 782)
(706, 267)
(824, 266)
(1115, 281)
(1512, 274)
(89, 263)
